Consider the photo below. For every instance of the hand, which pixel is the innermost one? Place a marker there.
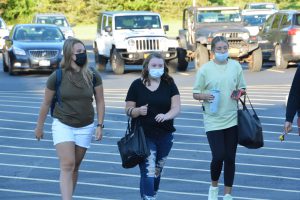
(287, 127)
(161, 117)
(143, 110)
(98, 134)
(209, 97)
(39, 133)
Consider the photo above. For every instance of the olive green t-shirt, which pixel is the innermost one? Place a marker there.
(76, 107)
(225, 78)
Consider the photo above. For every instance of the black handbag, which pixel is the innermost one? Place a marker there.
(133, 147)
(250, 133)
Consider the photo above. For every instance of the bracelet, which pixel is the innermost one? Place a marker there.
(100, 125)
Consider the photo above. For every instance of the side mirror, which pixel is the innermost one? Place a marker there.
(6, 38)
(166, 27)
(108, 29)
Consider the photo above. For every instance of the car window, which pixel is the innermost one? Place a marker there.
(109, 21)
(255, 20)
(34, 33)
(268, 23)
(137, 22)
(59, 21)
(286, 21)
(104, 21)
(276, 22)
(216, 16)
(297, 19)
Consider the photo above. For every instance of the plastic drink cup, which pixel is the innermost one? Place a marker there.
(214, 105)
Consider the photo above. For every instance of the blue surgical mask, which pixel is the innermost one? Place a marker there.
(221, 57)
(156, 73)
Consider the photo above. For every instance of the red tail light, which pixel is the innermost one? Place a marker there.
(293, 31)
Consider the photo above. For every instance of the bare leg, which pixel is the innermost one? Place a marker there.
(66, 154)
(227, 190)
(214, 183)
(79, 155)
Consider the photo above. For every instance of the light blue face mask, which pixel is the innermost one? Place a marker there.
(221, 57)
(156, 73)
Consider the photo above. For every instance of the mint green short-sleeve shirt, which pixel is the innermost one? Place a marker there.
(225, 78)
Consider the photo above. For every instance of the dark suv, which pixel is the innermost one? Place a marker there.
(279, 38)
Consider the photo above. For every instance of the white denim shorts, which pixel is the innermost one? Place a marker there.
(64, 133)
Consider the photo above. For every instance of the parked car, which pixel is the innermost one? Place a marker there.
(255, 18)
(3, 32)
(57, 19)
(279, 38)
(127, 38)
(32, 47)
(261, 5)
(202, 24)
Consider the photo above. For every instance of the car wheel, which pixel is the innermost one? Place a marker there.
(172, 65)
(10, 69)
(5, 67)
(280, 62)
(201, 56)
(117, 64)
(182, 62)
(100, 61)
(255, 63)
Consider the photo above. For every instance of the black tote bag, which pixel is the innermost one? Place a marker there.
(133, 147)
(250, 134)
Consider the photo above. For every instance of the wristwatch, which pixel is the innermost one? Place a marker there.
(100, 125)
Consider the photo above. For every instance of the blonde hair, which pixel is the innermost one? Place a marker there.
(66, 62)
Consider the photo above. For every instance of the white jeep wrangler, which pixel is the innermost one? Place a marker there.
(127, 38)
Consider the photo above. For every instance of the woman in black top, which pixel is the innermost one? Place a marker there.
(154, 100)
(293, 104)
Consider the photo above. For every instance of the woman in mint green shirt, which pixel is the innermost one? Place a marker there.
(221, 75)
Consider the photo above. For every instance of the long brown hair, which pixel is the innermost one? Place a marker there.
(87, 74)
(145, 72)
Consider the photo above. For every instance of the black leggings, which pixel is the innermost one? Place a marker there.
(223, 144)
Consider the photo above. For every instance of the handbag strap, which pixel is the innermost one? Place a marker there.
(244, 103)
(129, 112)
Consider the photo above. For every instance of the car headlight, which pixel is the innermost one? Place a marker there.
(131, 43)
(19, 51)
(245, 36)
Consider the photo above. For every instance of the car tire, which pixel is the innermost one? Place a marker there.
(117, 64)
(100, 61)
(280, 62)
(5, 67)
(11, 70)
(201, 56)
(172, 65)
(182, 62)
(255, 63)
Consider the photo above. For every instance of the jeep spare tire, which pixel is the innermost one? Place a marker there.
(201, 56)
(182, 62)
(117, 64)
(255, 63)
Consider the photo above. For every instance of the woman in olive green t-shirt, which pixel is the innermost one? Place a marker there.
(73, 123)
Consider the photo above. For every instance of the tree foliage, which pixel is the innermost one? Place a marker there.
(86, 11)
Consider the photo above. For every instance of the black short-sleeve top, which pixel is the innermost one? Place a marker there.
(159, 101)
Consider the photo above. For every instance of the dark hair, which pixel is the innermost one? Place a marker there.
(145, 72)
(217, 39)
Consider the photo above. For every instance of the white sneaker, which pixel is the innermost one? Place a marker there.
(227, 197)
(213, 193)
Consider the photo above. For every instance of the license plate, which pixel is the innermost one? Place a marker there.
(146, 55)
(44, 63)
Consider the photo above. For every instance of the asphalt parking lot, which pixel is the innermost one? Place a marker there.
(30, 171)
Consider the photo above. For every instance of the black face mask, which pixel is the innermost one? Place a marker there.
(81, 59)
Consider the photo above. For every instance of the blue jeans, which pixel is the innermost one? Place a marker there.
(152, 167)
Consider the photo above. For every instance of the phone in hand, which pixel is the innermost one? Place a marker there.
(236, 94)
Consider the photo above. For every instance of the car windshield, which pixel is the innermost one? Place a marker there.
(262, 6)
(59, 21)
(137, 22)
(216, 16)
(33, 33)
(255, 20)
